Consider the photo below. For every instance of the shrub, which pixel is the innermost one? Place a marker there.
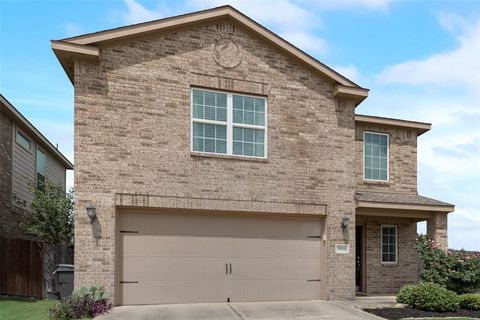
(406, 294)
(458, 271)
(429, 296)
(84, 303)
(470, 301)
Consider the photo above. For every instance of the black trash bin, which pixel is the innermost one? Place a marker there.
(64, 280)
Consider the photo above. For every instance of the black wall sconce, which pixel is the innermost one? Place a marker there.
(345, 223)
(91, 212)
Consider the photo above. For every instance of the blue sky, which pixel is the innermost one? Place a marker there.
(420, 59)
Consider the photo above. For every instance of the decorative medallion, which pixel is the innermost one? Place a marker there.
(227, 53)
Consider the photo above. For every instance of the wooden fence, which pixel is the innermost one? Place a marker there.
(21, 267)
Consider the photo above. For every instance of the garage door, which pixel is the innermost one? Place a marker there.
(182, 258)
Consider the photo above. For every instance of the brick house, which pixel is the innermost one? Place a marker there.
(27, 158)
(225, 164)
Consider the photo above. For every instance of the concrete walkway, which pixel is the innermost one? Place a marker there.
(290, 310)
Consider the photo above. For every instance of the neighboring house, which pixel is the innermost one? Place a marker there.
(225, 164)
(27, 159)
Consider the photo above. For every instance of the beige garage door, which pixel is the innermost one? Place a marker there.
(181, 258)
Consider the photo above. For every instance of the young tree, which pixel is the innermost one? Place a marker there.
(51, 220)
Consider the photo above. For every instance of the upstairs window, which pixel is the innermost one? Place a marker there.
(23, 141)
(389, 244)
(227, 123)
(40, 165)
(375, 156)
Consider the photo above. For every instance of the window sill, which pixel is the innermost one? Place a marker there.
(389, 264)
(377, 182)
(225, 156)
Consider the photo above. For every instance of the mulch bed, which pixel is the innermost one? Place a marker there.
(400, 313)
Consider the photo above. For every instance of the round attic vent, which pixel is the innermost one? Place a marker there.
(227, 53)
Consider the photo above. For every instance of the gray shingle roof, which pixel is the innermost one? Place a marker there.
(400, 198)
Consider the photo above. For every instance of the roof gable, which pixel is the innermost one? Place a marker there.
(86, 46)
(39, 137)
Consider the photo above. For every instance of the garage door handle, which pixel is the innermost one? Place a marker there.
(226, 268)
(230, 268)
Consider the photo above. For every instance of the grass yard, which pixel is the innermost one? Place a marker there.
(24, 309)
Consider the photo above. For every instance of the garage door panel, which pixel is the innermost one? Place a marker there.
(180, 258)
(174, 269)
(271, 269)
(156, 246)
(155, 292)
(279, 248)
(268, 290)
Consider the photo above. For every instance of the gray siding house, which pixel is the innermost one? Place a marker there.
(26, 158)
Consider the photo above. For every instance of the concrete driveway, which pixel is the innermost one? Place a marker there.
(291, 310)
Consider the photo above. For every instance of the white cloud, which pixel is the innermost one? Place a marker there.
(297, 21)
(73, 29)
(382, 5)
(350, 71)
(137, 13)
(443, 89)
(459, 67)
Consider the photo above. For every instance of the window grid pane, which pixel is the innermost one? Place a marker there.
(376, 156)
(209, 105)
(248, 142)
(248, 110)
(209, 138)
(389, 244)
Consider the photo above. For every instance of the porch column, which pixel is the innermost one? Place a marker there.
(437, 229)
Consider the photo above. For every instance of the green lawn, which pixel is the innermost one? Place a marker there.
(450, 318)
(28, 309)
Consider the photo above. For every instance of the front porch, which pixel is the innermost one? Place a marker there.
(385, 235)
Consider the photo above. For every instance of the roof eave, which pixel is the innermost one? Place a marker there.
(203, 16)
(404, 206)
(34, 131)
(67, 52)
(357, 94)
(419, 127)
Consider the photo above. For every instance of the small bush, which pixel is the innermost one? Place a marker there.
(406, 294)
(429, 296)
(84, 303)
(433, 297)
(470, 301)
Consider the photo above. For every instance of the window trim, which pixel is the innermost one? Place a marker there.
(20, 132)
(396, 244)
(388, 156)
(229, 124)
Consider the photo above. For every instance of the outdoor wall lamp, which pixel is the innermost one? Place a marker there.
(91, 211)
(345, 223)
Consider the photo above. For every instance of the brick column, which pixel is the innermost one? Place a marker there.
(437, 229)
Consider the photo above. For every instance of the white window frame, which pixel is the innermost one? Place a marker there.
(20, 132)
(381, 243)
(229, 124)
(388, 156)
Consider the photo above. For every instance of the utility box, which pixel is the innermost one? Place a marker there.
(64, 280)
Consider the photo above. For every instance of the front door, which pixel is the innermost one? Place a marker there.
(358, 257)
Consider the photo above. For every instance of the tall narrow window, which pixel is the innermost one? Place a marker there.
(375, 156)
(389, 244)
(228, 123)
(40, 164)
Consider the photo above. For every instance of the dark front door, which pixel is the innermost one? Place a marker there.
(358, 257)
